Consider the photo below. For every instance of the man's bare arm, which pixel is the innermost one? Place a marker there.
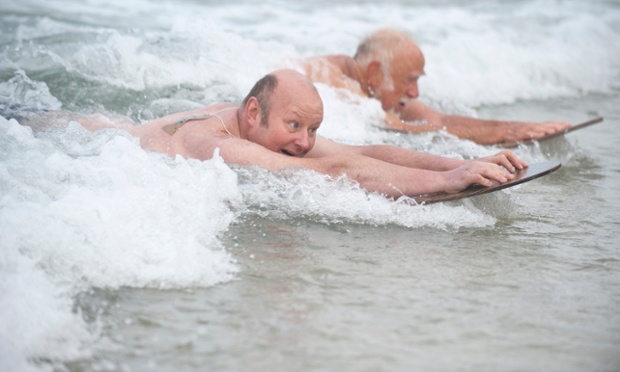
(395, 122)
(412, 159)
(481, 131)
(389, 154)
(372, 174)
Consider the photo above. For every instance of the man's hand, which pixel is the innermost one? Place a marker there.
(483, 173)
(530, 131)
(506, 159)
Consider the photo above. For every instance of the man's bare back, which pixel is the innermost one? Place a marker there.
(173, 134)
(169, 134)
(338, 71)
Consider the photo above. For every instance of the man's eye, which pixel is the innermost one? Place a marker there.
(312, 130)
(294, 124)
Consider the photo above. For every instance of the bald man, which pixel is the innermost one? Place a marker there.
(387, 66)
(276, 127)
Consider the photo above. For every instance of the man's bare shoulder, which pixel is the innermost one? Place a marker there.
(215, 120)
(338, 71)
(190, 133)
(203, 111)
(339, 62)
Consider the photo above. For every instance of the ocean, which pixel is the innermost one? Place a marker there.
(117, 259)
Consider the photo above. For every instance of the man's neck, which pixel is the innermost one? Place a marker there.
(356, 72)
(239, 124)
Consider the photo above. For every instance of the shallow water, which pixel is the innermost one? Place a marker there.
(118, 259)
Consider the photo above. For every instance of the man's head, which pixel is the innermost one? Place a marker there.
(392, 64)
(283, 111)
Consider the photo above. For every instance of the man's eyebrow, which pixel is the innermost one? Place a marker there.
(296, 113)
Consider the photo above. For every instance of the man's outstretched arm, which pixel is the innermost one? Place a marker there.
(485, 132)
(373, 174)
(412, 159)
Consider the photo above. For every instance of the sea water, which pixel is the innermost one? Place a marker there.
(117, 259)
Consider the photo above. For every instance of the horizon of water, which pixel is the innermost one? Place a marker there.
(114, 258)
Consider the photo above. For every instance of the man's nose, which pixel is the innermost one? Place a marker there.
(412, 90)
(303, 141)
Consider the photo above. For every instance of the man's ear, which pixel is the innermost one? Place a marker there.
(252, 112)
(374, 72)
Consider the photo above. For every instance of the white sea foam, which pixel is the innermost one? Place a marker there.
(21, 91)
(118, 216)
(309, 195)
(109, 217)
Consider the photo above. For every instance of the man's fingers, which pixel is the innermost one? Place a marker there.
(484, 182)
(510, 161)
(517, 162)
(539, 130)
(490, 172)
(507, 163)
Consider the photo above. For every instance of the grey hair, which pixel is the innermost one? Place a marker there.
(381, 46)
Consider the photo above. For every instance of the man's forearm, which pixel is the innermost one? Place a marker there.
(409, 158)
(477, 130)
(386, 178)
(394, 122)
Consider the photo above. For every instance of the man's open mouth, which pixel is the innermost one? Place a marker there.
(404, 101)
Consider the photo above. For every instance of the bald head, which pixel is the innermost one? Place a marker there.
(284, 81)
(282, 113)
(293, 80)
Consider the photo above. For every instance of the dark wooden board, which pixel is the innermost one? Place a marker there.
(532, 172)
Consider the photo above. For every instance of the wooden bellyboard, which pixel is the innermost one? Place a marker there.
(512, 144)
(524, 175)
